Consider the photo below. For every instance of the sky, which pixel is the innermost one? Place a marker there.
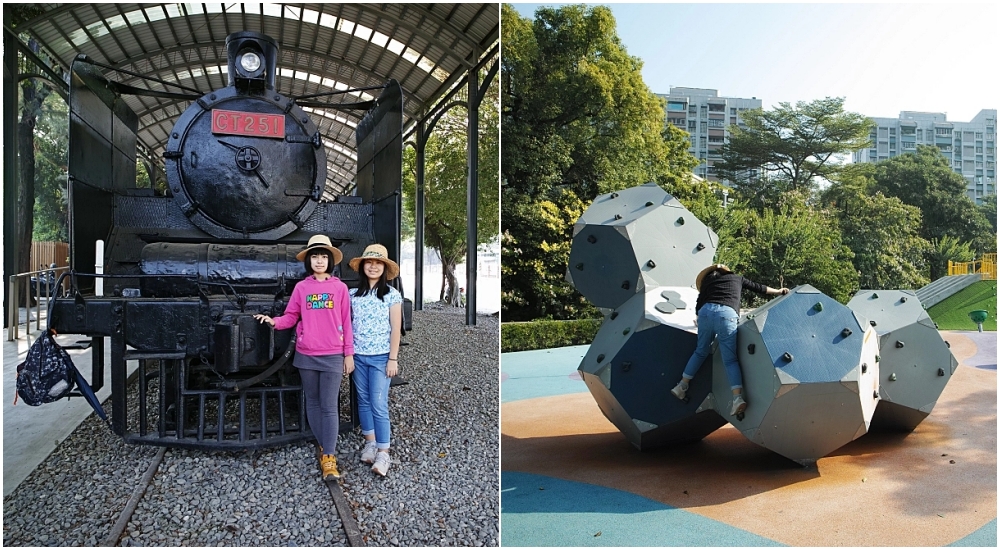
(882, 58)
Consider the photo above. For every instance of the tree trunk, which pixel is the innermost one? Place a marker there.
(33, 97)
(450, 292)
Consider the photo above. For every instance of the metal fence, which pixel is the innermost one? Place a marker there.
(40, 285)
(987, 266)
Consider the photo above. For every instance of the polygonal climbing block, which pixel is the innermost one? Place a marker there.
(635, 239)
(635, 360)
(810, 375)
(915, 362)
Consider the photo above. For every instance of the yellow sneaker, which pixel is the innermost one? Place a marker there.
(329, 464)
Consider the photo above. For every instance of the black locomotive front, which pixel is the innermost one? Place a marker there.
(184, 273)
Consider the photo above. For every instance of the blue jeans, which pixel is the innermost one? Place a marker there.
(373, 396)
(716, 319)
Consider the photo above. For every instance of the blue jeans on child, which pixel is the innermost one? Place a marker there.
(717, 319)
(373, 396)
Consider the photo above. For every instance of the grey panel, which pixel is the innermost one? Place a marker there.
(915, 362)
(825, 402)
(630, 368)
(634, 239)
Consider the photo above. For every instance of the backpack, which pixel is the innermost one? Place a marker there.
(47, 373)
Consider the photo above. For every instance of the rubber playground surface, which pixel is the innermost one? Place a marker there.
(569, 478)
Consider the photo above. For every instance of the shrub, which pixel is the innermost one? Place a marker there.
(547, 334)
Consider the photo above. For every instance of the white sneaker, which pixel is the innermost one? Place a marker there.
(381, 465)
(368, 452)
(739, 405)
(680, 390)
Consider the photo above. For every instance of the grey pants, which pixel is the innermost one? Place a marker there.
(322, 391)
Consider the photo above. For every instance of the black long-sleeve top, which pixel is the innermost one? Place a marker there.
(719, 287)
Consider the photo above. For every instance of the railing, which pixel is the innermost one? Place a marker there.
(987, 266)
(43, 287)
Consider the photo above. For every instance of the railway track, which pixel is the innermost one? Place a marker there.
(350, 527)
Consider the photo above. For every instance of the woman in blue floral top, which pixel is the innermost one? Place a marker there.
(377, 316)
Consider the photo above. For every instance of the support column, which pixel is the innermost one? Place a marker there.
(418, 221)
(472, 199)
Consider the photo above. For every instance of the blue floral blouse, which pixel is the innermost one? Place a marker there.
(370, 321)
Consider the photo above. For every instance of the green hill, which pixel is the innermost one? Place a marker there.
(953, 312)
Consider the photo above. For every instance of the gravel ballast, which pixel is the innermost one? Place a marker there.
(442, 488)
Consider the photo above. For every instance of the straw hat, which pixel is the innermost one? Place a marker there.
(377, 252)
(706, 271)
(321, 241)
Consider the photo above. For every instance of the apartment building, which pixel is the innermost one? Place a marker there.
(970, 147)
(706, 116)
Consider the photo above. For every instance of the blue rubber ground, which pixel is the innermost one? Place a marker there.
(540, 373)
(545, 511)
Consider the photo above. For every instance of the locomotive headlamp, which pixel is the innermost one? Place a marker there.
(250, 62)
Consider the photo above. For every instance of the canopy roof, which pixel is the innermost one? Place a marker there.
(427, 48)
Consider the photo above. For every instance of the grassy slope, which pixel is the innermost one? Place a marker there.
(953, 313)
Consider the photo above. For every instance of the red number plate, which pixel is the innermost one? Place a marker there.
(239, 123)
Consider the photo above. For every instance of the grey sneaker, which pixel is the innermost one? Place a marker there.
(381, 465)
(368, 452)
(680, 390)
(739, 405)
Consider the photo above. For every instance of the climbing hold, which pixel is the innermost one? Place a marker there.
(651, 263)
(818, 306)
(787, 357)
(591, 239)
(892, 377)
(846, 332)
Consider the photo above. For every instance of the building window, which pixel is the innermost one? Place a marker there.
(979, 135)
(692, 125)
(675, 106)
(732, 110)
(883, 133)
(942, 131)
(883, 148)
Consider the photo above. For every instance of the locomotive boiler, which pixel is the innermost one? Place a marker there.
(184, 272)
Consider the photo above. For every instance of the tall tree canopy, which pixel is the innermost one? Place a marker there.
(793, 246)
(445, 185)
(883, 232)
(578, 120)
(789, 147)
(924, 179)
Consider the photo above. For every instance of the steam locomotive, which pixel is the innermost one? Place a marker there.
(184, 273)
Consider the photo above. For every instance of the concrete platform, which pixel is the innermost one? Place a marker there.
(570, 478)
(31, 433)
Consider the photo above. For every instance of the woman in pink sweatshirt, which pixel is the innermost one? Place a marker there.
(320, 311)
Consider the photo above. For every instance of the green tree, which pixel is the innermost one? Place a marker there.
(989, 210)
(924, 179)
(534, 285)
(578, 120)
(445, 185)
(882, 232)
(793, 246)
(788, 148)
(948, 249)
(51, 156)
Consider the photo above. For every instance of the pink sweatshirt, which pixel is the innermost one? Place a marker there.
(324, 308)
